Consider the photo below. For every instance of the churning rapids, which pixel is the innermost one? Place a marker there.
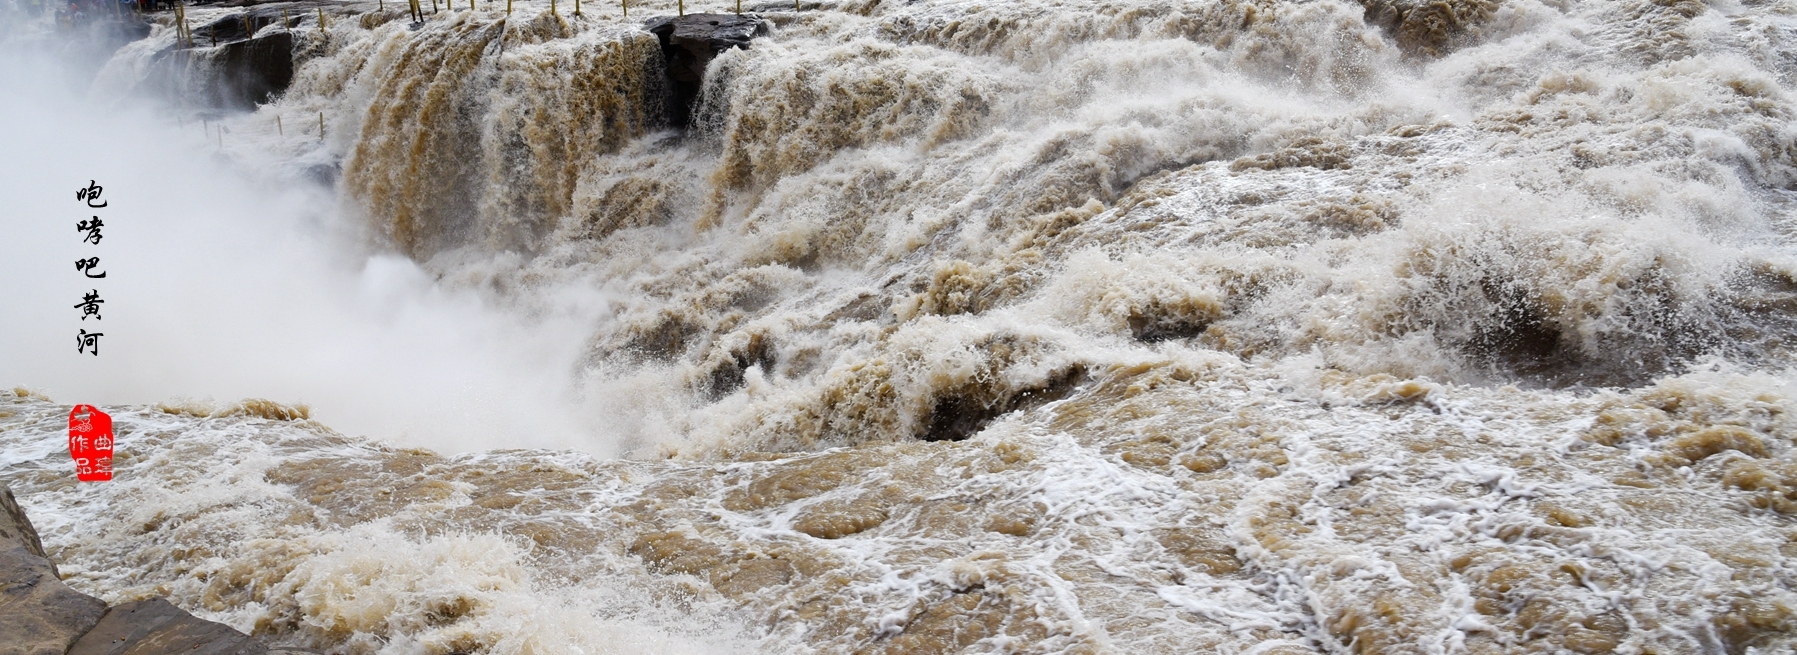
(1071, 326)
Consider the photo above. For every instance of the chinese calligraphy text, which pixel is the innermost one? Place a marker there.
(89, 342)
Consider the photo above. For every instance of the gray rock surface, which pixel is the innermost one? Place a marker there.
(39, 615)
(156, 627)
(707, 35)
(16, 529)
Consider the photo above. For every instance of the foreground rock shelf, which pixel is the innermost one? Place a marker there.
(39, 615)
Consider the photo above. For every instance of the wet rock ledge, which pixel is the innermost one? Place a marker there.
(689, 43)
(39, 615)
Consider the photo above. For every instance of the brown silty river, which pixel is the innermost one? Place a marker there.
(1045, 326)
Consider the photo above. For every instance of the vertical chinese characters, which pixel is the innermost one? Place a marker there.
(90, 267)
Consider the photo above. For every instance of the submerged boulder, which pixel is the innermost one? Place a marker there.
(689, 43)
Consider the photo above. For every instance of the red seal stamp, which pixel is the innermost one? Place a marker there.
(90, 443)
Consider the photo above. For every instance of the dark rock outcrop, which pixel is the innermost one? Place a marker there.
(689, 43)
(251, 72)
(237, 61)
(39, 615)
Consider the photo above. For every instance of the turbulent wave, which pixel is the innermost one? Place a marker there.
(1041, 326)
